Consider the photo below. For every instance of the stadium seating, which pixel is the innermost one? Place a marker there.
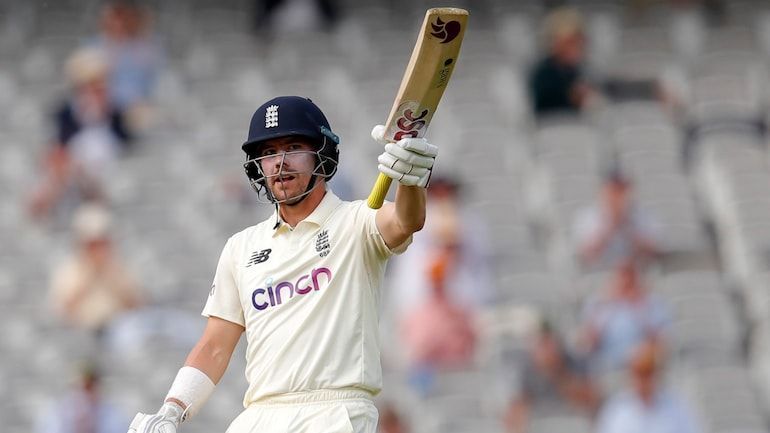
(702, 170)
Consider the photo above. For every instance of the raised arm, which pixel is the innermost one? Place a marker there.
(408, 161)
(397, 221)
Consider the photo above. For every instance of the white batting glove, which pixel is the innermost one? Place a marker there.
(165, 421)
(408, 161)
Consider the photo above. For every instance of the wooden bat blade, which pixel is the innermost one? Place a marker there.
(427, 74)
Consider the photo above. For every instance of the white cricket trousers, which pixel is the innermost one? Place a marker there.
(321, 411)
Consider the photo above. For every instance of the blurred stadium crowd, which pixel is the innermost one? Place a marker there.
(597, 251)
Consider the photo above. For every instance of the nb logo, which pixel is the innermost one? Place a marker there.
(258, 257)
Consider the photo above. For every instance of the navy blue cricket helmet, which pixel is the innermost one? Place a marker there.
(286, 116)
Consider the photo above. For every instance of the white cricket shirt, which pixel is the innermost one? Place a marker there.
(308, 298)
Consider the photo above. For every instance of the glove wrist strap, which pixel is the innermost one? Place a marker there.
(192, 388)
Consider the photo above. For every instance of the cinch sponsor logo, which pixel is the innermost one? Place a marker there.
(263, 298)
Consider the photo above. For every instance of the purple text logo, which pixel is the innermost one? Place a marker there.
(263, 298)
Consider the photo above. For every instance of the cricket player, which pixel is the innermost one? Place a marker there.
(303, 284)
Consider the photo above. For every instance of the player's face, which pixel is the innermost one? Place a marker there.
(288, 165)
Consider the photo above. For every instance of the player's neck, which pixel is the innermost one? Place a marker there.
(293, 214)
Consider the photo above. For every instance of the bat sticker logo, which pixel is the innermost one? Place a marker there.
(411, 121)
(445, 31)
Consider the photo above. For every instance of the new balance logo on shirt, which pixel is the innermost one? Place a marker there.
(259, 257)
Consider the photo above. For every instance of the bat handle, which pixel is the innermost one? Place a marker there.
(379, 191)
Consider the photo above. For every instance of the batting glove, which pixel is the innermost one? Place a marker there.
(409, 161)
(165, 421)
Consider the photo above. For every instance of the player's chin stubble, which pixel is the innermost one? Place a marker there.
(294, 194)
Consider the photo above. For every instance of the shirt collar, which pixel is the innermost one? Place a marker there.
(325, 208)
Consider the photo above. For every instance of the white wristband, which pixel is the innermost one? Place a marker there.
(192, 387)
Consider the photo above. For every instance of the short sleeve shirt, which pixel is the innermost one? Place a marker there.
(308, 298)
(622, 325)
(590, 222)
(626, 413)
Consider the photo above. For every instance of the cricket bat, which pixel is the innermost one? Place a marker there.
(426, 76)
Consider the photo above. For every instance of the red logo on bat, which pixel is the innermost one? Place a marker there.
(410, 123)
(445, 31)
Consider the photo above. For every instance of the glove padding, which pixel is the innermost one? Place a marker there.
(409, 161)
(165, 421)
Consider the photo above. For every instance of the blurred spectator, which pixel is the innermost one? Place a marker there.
(617, 320)
(615, 230)
(715, 10)
(448, 226)
(645, 407)
(557, 82)
(92, 287)
(83, 410)
(438, 333)
(553, 383)
(134, 55)
(90, 134)
(390, 421)
(297, 14)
